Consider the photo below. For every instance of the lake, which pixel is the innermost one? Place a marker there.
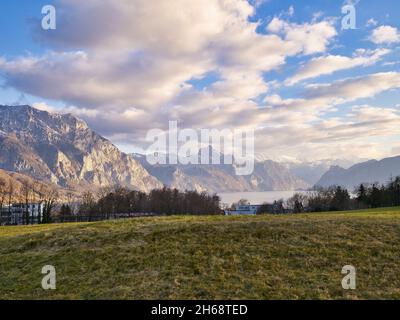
(256, 197)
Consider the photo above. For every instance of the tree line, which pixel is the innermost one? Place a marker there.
(105, 203)
(120, 202)
(337, 198)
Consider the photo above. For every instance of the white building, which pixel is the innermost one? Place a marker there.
(17, 213)
(246, 209)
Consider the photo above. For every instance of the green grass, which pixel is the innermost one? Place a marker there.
(262, 257)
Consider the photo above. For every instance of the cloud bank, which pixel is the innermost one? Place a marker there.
(131, 65)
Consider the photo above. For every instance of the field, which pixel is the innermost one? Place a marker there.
(261, 257)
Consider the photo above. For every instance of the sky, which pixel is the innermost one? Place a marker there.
(310, 89)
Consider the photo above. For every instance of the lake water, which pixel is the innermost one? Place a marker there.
(256, 197)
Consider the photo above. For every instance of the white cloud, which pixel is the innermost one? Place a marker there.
(144, 55)
(325, 96)
(396, 150)
(356, 135)
(354, 88)
(44, 107)
(385, 34)
(331, 63)
(311, 38)
(293, 127)
(124, 66)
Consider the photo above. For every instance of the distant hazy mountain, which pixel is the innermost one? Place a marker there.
(311, 172)
(267, 176)
(270, 176)
(365, 172)
(64, 150)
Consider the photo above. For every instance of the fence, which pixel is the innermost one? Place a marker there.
(7, 220)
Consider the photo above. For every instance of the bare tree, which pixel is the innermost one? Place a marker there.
(88, 205)
(26, 195)
(3, 193)
(102, 205)
(297, 203)
(71, 202)
(36, 197)
(49, 197)
(10, 195)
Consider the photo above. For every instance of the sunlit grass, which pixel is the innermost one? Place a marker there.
(186, 257)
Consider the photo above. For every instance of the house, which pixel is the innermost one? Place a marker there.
(241, 209)
(18, 213)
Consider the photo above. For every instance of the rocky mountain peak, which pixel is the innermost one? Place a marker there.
(61, 148)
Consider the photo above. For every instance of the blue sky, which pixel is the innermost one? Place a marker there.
(16, 38)
(130, 66)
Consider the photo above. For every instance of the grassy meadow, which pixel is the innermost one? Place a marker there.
(207, 257)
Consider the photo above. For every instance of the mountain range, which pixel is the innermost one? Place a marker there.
(267, 176)
(312, 171)
(61, 149)
(371, 171)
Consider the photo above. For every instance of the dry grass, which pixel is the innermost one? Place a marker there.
(263, 257)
